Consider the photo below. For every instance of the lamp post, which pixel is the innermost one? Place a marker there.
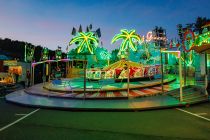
(85, 67)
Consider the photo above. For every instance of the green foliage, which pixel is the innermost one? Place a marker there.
(114, 57)
(200, 21)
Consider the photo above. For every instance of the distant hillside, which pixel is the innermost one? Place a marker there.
(16, 49)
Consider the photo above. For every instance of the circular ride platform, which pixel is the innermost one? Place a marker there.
(102, 89)
(167, 100)
(109, 98)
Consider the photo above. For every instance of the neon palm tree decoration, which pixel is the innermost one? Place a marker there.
(128, 38)
(86, 42)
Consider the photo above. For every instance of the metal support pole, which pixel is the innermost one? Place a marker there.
(206, 75)
(33, 74)
(66, 68)
(128, 75)
(85, 78)
(180, 78)
(128, 80)
(206, 84)
(161, 63)
(185, 71)
(49, 71)
(44, 73)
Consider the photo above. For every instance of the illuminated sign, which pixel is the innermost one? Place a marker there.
(10, 62)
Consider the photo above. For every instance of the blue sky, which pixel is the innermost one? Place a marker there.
(49, 22)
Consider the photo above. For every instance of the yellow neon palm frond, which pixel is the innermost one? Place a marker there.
(88, 47)
(123, 45)
(132, 32)
(83, 34)
(128, 37)
(84, 39)
(124, 31)
(81, 47)
(117, 37)
(89, 34)
(136, 37)
(93, 39)
(131, 45)
(75, 39)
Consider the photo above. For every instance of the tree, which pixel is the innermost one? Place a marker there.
(114, 57)
(72, 54)
(16, 49)
(200, 21)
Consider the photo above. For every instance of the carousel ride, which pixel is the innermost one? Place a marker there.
(122, 79)
(137, 73)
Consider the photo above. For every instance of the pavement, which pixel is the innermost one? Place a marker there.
(23, 123)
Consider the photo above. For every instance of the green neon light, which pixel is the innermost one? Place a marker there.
(203, 39)
(128, 38)
(58, 54)
(45, 53)
(105, 55)
(87, 42)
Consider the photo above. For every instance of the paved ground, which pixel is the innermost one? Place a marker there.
(54, 124)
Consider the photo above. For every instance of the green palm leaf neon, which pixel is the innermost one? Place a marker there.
(84, 40)
(128, 38)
